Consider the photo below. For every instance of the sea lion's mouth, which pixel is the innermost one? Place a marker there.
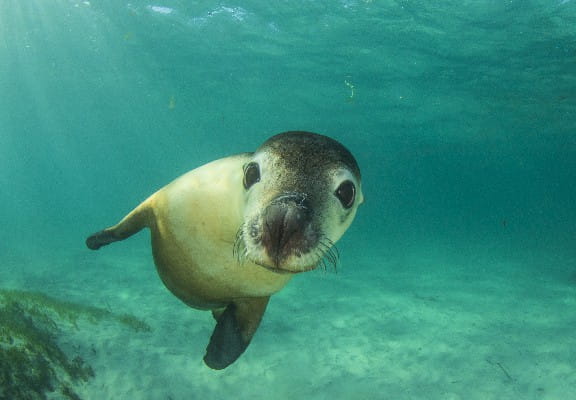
(279, 270)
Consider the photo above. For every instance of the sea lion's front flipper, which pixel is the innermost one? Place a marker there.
(130, 224)
(234, 331)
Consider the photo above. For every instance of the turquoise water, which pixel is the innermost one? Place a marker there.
(461, 114)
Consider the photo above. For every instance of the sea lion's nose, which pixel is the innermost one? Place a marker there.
(285, 223)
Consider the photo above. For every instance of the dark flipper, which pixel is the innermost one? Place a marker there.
(130, 224)
(234, 331)
(102, 238)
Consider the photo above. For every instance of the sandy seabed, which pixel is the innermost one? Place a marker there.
(380, 328)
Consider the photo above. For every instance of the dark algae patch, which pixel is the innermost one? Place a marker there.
(32, 363)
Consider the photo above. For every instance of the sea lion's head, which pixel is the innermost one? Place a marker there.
(302, 192)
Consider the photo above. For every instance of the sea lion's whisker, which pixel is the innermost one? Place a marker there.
(327, 253)
(243, 256)
(321, 260)
(330, 250)
(239, 250)
(332, 245)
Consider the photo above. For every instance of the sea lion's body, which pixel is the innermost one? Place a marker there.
(194, 226)
(203, 219)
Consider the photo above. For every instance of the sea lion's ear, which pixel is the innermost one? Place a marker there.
(234, 330)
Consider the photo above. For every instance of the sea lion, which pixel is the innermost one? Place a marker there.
(229, 234)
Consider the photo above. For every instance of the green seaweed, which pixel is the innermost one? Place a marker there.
(32, 364)
(38, 304)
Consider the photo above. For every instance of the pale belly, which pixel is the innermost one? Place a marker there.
(206, 275)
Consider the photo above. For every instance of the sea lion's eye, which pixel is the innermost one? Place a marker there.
(346, 193)
(251, 175)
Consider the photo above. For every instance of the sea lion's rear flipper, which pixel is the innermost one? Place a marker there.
(130, 224)
(234, 331)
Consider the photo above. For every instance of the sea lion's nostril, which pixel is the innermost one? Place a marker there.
(298, 199)
(283, 230)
